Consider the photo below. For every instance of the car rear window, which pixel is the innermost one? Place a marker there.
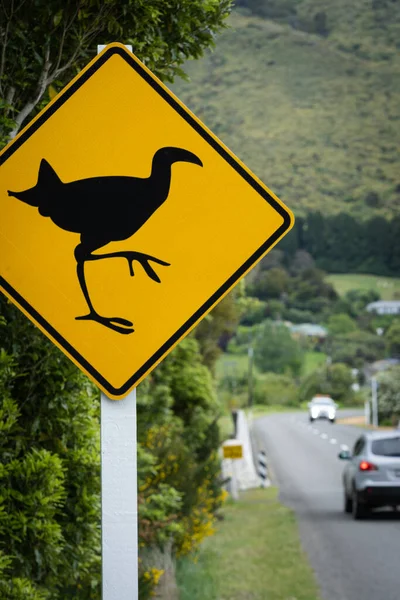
(386, 447)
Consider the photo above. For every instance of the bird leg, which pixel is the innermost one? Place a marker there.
(115, 323)
(143, 259)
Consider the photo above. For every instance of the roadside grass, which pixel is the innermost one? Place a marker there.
(387, 287)
(255, 555)
(360, 422)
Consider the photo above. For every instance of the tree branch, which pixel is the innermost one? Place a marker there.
(40, 90)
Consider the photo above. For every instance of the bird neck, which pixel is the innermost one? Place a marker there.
(160, 177)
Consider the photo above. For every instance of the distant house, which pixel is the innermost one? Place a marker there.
(309, 330)
(384, 307)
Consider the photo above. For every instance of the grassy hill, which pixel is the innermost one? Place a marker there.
(387, 287)
(315, 116)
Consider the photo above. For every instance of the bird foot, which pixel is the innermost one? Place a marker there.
(144, 260)
(110, 322)
(131, 256)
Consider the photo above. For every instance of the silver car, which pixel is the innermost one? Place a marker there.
(371, 478)
(322, 407)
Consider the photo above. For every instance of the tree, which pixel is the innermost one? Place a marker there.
(273, 389)
(341, 324)
(270, 284)
(389, 395)
(356, 348)
(334, 380)
(302, 261)
(46, 42)
(275, 350)
(215, 330)
(392, 337)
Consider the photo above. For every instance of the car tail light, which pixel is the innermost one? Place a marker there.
(365, 465)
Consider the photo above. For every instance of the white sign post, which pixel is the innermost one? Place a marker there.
(119, 498)
(119, 516)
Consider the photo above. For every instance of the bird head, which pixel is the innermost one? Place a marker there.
(46, 187)
(172, 154)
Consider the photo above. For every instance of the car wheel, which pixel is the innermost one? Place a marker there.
(332, 420)
(359, 510)
(348, 503)
(311, 419)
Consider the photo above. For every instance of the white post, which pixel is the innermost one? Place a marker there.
(374, 391)
(119, 498)
(367, 411)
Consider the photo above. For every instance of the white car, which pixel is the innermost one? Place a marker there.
(322, 407)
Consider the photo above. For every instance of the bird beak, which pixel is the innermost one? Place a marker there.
(24, 196)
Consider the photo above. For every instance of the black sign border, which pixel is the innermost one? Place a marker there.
(168, 97)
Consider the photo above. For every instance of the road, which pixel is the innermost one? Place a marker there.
(353, 560)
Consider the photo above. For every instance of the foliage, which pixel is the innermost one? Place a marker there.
(270, 284)
(215, 330)
(392, 337)
(334, 380)
(49, 444)
(341, 324)
(180, 492)
(47, 42)
(356, 348)
(274, 389)
(342, 242)
(273, 91)
(275, 350)
(389, 395)
(254, 311)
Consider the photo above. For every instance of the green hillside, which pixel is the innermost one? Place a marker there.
(388, 288)
(315, 116)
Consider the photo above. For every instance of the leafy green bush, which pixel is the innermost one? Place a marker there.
(334, 380)
(49, 474)
(341, 323)
(389, 395)
(392, 337)
(275, 350)
(275, 389)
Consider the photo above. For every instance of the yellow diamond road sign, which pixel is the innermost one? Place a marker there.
(124, 220)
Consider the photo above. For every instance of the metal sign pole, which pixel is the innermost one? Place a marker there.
(374, 390)
(119, 498)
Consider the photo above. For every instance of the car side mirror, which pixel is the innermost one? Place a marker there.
(344, 455)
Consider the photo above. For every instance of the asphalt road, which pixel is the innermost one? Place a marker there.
(353, 560)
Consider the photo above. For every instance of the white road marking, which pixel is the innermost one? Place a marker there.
(344, 447)
(324, 436)
(332, 441)
(315, 431)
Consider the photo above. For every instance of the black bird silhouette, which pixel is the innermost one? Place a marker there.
(105, 209)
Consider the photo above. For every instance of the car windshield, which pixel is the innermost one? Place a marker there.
(386, 447)
(322, 401)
